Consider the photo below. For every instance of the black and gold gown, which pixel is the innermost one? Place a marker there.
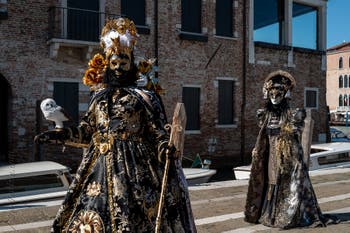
(280, 193)
(117, 185)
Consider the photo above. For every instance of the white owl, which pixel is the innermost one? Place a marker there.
(53, 112)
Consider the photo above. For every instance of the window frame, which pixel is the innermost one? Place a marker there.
(286, 39)
(345, 100)
(67, 104)
(193, 131)
(142, 28)
(341, 82)
(340, 100)
(306, 89)
(234, 119)
(340, 63)
(223, 21)
(346, 81)
(186, 32)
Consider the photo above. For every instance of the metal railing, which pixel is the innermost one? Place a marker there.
(75, 24)
(343, 108)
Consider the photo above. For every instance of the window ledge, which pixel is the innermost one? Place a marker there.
(143, 29)
(271, 45)
(226, 37)
(56, 43)
(193, 36)
(287, 47)
(229, 126)
(192, 132)
(305, 50)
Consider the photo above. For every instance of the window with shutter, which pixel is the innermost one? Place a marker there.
(224, 17)
(134, 10)
(311, 98)
(191, 99)
(226, 102)
(191, 15)
(66, 95)
(83, 20)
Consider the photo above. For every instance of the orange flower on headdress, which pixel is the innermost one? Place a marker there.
(93, 75)
(98, 62)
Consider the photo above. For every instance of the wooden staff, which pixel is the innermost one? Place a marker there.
(177, 136)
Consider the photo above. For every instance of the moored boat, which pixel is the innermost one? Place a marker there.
(196, 176)
(323, 156)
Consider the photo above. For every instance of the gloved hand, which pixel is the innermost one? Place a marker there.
(164, 150)
(54, 135)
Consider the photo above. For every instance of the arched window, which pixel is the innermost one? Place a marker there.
(345, 100)
(340, 63)
(340, 100)
(346, 81)
(340, 81)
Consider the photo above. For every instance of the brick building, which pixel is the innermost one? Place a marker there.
(338, 75)
(212, 55)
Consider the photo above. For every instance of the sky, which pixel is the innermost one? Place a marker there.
(338, 26)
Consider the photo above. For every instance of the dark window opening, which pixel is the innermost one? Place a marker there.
(191, 13)
(226, 102)
(311, 99)
(134, 10)
(66, 95)
(340, 100)
(345, 100)
(346, 81)
(4, 100)
(340, 63)
(224, 16)
(83, 20)
(191, 99)
(340, 81)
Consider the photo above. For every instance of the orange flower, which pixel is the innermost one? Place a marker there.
(98, 62)
(92, 77)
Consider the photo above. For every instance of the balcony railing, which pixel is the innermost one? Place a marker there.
(343, 108)
(75, 24)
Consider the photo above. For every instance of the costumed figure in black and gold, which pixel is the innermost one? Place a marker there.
(280, 193)
(118, 183)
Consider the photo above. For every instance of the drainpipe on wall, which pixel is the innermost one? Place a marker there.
(156, 33)
(244, 76)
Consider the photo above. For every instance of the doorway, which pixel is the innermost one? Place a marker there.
(4, 106)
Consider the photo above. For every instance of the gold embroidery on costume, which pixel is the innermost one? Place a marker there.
(110, 189)
(93, 189)
(87, 221)
(67, 209)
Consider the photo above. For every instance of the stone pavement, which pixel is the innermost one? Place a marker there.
(217, 207)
